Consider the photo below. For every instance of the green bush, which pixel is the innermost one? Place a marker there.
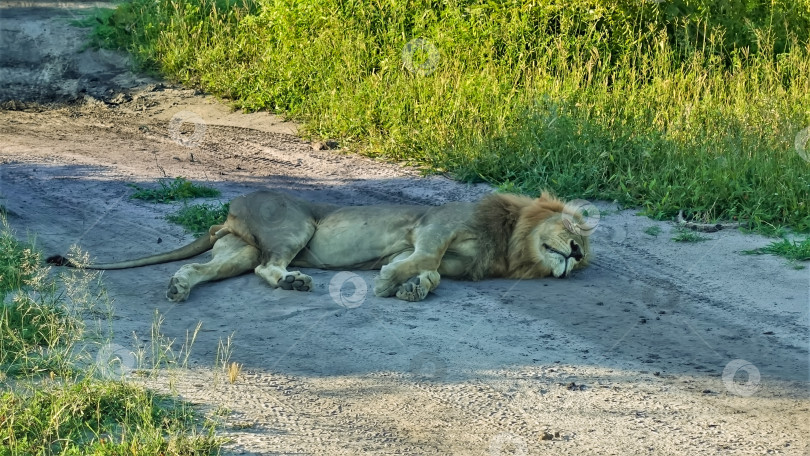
(197, 218)
(173, 190)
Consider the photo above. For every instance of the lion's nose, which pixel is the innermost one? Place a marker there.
(576, 251)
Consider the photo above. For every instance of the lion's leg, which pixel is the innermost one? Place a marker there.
(279, 277)
(279, 226)
(412, 275)
(231, 257)
(386, 284)
(280, 252)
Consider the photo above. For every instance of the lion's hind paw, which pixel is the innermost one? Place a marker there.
(178, 289)
(296, 281)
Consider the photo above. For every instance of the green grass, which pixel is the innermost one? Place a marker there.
(99, 418)
(197, 218)
(18, 261)
(686, 235)
(178, 189)
(666, 106)
(653, 230)
(52, 400)
(35, 329)
(792, 250)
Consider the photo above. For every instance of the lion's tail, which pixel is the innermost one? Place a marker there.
(202, 244)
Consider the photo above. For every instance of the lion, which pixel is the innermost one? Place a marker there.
(503, 235)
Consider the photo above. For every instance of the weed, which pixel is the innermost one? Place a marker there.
(653, 230)
(792, 250)
(223, 360)
(173, 190)
(685, 235)
(18, 262)
(197, 218)
(39, 323)
(234, 369)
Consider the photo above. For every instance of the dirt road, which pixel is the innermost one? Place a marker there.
(658, 348)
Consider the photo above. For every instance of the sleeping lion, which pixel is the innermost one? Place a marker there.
(503, 235)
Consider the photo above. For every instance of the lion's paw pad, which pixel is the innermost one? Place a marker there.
(412, 290)
(178, 289)
(296, 281)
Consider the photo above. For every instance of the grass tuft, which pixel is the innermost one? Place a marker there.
(19, 263)
(197, 218)
(99, 418)
(685, 235)
(792, 250)
(653, 230)
(179, 189)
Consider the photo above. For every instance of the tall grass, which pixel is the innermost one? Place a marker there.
(52, 400)
(667, 105)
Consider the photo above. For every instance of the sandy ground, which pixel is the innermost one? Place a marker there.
(658, 348)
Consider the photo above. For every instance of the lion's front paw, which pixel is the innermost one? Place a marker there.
(385, 284)
(384, 288)
(296, 281)
(418, 287)
(178, 289)
(412, 290)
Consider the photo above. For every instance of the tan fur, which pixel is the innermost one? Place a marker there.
(502, 235)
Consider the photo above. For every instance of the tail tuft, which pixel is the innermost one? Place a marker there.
(59, 260)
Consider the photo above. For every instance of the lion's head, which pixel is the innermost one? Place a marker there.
(550, 238)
